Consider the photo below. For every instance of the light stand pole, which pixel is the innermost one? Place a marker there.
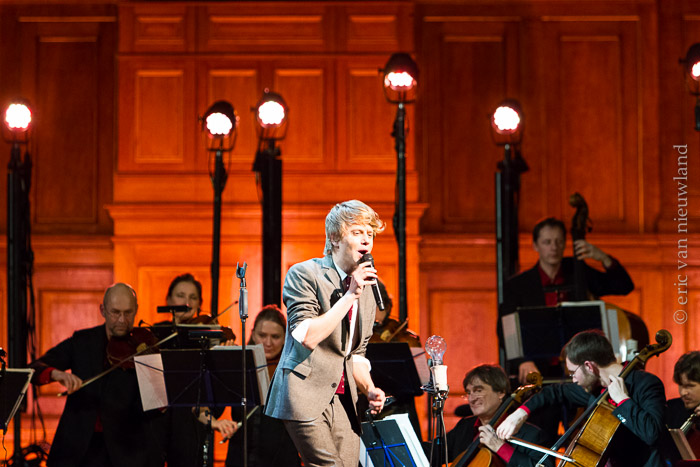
(219, 122)
(19, 255)
(507, 124)
(271, 113)
(400, 82)
(399, 135)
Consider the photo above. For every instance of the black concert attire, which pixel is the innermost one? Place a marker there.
(467, 429)
(676, 415)
(527, 289)
(269, 443)
(641, 432)
(103, 424)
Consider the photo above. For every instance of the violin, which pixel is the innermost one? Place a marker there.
(120, 349)
(393, 331)
(477, 455)
(589, 447)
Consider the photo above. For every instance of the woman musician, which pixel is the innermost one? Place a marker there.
(185, 433)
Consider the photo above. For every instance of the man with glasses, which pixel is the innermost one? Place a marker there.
(103, 423)
(637, 401)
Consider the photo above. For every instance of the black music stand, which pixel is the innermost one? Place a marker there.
(539, 333)
(13, 387)
(393, 368)
(385, 444)
(212, 378)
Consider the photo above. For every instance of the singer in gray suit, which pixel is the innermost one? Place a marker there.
(330, 313)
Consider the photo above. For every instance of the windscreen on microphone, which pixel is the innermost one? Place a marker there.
(375, 287)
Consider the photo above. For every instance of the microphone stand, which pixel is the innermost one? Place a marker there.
(243, 312)
(438, 446)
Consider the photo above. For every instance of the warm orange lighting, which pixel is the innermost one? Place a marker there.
(506, 119)
(18, 117)
(400, 78)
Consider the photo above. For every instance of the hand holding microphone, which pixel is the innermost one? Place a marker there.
(375, 286)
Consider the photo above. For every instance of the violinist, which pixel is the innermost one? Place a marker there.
(686, 374)
(486, 386)
(103, 424)
(185, 434)
(638, 401)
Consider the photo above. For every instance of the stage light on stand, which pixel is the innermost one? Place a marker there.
(691, 66)
(271, 116)
(220, 124)
(507, 122)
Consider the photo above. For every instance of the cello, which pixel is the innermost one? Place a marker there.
(590, 445)
(477, 455)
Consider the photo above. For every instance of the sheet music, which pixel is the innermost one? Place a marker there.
(149, 372)
(421, 360)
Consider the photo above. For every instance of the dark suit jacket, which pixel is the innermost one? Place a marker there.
(305, 380)
(525, 289)
(461, 436)
(641, 431)
(129, 433)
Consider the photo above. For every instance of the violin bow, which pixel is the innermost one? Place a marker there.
(126, 359)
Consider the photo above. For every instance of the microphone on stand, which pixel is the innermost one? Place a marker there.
(375, 287)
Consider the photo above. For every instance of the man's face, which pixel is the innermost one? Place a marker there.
(483, 400)
(690, 392)
(550, 246)
(582, 376)
(119, 312)
(357, 240)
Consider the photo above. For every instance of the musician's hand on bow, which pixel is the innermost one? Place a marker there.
(71, 382)
(487, 436)
(227, 428)
(617, 389)
(524, 369)
(584, 250)
(512, 424)
(376, 398)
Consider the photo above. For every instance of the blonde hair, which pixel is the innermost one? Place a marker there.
(343, 215)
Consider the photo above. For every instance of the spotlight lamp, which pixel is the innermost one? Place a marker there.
(400, 78)
(507, 122)
(271, 113)
(18, 118)
(220, 122)
(691, 65)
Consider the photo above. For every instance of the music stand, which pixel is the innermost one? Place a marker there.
(393, 368)
(13, 387)
(392, 442)
(539, 333)
(212, 378)
(183, 339)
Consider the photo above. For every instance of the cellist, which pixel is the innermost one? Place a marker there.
(486, 386)
(638, 400)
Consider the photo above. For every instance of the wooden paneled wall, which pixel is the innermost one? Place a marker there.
(121, 188)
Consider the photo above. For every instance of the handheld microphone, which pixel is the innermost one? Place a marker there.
(375, 287)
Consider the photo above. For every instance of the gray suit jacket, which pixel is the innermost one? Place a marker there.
(305, 380)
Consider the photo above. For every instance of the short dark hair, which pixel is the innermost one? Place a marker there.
(186, 277)
(591, 345)
(688, 365)
(548, 222)
(493, 375)
(269, 313)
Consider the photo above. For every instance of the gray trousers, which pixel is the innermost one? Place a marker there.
(329, 440)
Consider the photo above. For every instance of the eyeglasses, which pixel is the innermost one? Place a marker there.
(128, 314)
(571, 374)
